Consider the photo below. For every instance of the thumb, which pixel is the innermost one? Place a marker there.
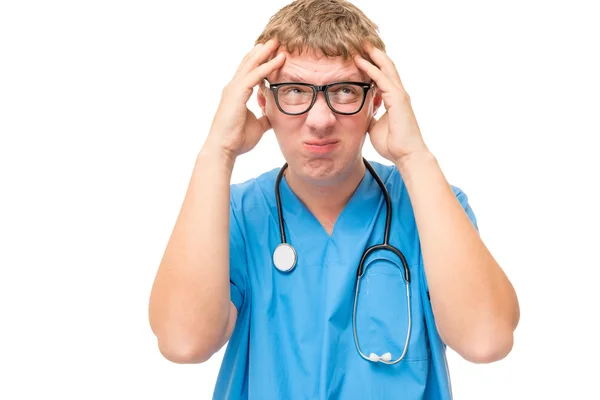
(264, 123)
(372, 124)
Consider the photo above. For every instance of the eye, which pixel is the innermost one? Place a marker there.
(295, 90)
(348, 90)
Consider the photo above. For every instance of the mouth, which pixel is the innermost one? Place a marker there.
(320, 142)
(320, 146)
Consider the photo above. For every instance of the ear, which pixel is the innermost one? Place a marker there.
(261, 98)
(377, 100)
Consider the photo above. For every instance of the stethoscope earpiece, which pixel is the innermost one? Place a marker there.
(385, 357)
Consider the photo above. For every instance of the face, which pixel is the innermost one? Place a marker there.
(320, 146)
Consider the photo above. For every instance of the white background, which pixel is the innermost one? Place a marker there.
(104, 106)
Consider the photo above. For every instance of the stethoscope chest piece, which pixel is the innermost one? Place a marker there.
(284, 257)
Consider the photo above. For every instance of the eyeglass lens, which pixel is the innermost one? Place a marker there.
(344, 97)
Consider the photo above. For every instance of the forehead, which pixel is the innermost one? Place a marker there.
(316, 69)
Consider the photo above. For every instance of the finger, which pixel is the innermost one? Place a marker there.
(375, 121)
(258, 57)
(383, 62)
(381, 79)
(262, 71)
(256, 129)
(249, 54)
(263, 55)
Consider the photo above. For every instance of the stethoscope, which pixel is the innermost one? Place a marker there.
(284, 259)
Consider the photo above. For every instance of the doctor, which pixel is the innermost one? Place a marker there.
(301, 320)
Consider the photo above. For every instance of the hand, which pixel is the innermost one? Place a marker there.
(235, 129)
(396, 134)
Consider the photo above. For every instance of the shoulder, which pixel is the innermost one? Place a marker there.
(392, 179)
(459, 193)
(252, 191)
(387, 172)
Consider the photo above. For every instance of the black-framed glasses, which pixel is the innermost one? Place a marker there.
(294, 98)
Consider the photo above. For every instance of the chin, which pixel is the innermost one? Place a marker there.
(321, 170)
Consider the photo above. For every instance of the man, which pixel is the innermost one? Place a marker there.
(290, 314)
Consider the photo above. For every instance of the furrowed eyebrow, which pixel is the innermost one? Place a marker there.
(290, 78)
(348, 78)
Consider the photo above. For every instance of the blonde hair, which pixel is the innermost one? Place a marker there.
(332, 28)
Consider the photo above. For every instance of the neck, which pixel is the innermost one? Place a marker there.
(327, 199)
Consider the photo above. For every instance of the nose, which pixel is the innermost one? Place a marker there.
(320, 117)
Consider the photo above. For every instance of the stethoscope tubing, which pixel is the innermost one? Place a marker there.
(361, 269)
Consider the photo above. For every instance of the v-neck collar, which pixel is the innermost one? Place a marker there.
(356, 214)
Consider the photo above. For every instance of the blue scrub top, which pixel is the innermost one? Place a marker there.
(294, 338)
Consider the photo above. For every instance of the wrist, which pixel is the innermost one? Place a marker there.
(217, 154)
(414, 160)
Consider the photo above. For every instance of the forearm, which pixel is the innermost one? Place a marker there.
(189, 303)
(474, 303)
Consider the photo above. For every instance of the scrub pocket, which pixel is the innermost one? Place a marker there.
(381, 313)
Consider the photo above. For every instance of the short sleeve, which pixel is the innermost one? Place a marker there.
(464, 202)
(237, 261)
